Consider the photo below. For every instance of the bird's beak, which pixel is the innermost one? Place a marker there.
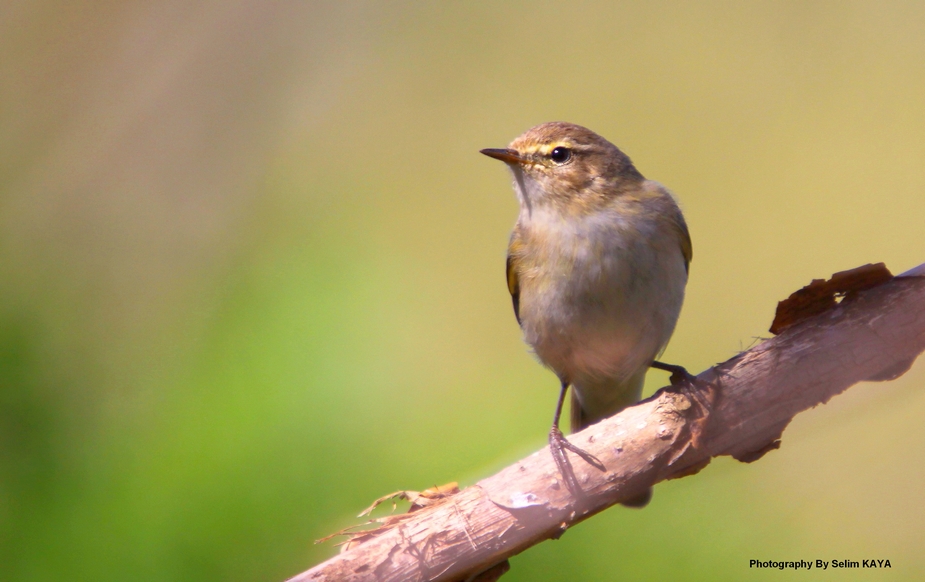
(507, 156)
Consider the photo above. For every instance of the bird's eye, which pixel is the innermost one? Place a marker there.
(560, 155)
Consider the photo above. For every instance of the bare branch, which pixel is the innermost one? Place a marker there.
(738, 408)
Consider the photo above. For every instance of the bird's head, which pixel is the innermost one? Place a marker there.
(567, 166)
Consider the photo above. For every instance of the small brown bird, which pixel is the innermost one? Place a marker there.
(596, 267)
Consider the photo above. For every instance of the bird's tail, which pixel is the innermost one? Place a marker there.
(599, 400)
(593, 401)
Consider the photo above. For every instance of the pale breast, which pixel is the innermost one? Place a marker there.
(600, 294)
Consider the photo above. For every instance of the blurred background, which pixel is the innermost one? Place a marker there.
(251, 270)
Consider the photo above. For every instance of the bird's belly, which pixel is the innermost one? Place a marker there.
(602, 316)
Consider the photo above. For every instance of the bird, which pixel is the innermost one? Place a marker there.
(597, 266)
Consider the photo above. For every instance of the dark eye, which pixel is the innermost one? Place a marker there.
(560, 155)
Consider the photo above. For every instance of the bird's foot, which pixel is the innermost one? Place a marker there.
(558, 440)
(702, 396)
(679, 374)
(688, 385)
(558, 444)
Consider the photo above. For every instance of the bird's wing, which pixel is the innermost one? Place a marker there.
(687, 249)
(514, 266)
(513, 285)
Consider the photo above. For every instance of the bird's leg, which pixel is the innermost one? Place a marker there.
(687, 384)
(679, 375)
(701, 395)
(558, 444)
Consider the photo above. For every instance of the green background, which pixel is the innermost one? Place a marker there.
(251, 270)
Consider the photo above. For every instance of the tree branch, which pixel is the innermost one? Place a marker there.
(737, 408)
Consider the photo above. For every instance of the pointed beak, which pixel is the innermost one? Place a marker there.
(505, 155)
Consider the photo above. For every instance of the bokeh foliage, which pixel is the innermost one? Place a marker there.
(251, 269)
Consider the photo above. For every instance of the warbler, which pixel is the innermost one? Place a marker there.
(597, 266)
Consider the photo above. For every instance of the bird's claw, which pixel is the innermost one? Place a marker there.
(679, 374)
(558, 444)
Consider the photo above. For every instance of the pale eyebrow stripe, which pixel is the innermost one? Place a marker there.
(546, 149)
